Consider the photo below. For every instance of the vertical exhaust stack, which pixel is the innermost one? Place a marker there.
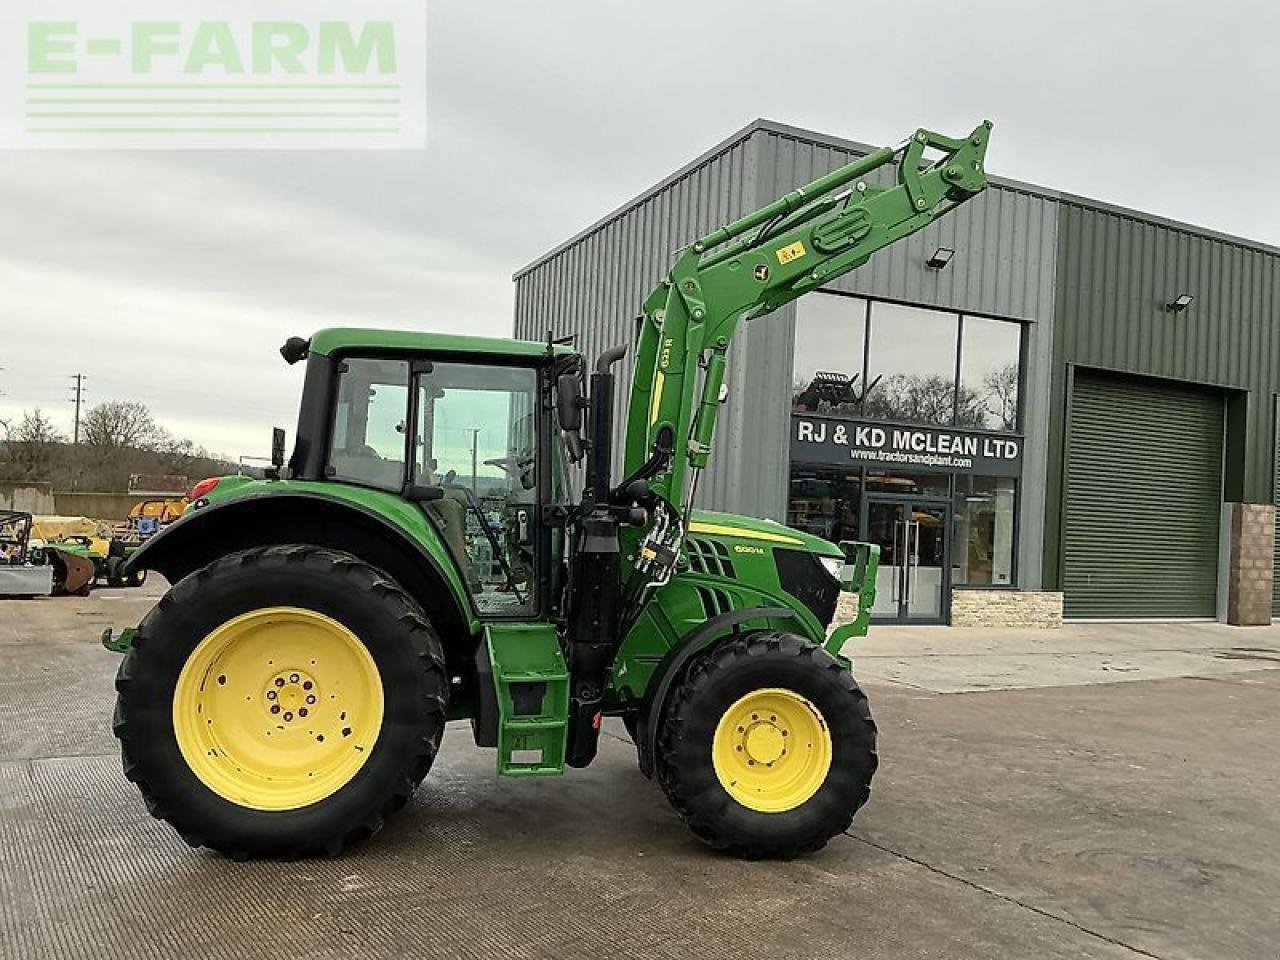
(595, 595)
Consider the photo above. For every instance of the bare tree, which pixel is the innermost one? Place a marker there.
(913, 398)
(119, 424)
(1002, 393)
(32, 448)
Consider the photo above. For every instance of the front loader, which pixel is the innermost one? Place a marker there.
(420, 559)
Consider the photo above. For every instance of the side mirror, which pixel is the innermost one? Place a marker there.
(569, 413)
(569, 402)
(277, 448)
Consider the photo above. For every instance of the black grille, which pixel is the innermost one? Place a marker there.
(802, 575)
(714, 602)
(709, 556)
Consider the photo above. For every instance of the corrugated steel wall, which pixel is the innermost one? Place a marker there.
(1116, 273)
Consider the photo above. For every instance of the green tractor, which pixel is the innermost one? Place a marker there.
(425, 558)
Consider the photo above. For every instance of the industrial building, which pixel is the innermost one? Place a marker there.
(1042, 405)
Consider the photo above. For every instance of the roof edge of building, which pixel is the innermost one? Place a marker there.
(855, 146)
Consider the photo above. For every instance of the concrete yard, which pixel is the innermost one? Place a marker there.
(1103, 791)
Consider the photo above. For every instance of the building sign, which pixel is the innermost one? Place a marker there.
(876, 444)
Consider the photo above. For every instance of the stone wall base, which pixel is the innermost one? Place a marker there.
(1252, 529)
(1006, 608)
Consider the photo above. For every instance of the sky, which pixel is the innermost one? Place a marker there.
(172, 277)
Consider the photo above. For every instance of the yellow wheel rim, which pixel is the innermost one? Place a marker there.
(772, 750)
(278, 708)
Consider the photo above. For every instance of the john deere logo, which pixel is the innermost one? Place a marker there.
(762, 272)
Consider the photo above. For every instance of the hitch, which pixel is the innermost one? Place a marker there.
(122, 643)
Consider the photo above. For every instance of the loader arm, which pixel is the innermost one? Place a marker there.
(754, 265)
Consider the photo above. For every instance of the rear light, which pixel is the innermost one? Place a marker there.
(203, 488)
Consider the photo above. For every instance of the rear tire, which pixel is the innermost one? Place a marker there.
(804, 797)
(333, 622)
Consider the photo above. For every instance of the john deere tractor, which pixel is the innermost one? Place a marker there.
(423, 558)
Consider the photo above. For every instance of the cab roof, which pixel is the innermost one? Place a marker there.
(347, 339)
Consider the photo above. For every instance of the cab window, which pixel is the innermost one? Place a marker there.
(477, 439)
(368, 442)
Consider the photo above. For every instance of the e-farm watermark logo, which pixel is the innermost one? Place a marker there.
(320, 74)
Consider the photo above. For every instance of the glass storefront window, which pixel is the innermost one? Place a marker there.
(827, 368)
(989, 356)
(982, 548)
(913, 351)
(825, 502)
(909, 484)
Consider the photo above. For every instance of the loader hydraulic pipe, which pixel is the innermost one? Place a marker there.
(704, 426)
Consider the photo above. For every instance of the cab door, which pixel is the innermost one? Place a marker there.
(479, 438)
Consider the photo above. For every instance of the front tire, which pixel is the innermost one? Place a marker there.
(768, 747)
(281, 702)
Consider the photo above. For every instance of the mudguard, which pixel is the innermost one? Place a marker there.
(380, 528)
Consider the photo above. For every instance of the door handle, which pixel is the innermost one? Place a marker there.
(913, 526)
(895, 592)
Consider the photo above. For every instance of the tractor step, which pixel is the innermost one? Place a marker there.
(531, 684)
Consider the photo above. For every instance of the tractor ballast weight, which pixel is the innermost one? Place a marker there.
(420, 559)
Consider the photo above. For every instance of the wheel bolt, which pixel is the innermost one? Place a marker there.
(288, 716)
(293, 678)
(271, 694)
(311, 699)
(307, 685)
(302, 712)
(279, 681)
(275, 708)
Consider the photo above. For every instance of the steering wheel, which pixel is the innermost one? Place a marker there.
(515, 467)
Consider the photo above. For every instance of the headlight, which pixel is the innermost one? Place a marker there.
(833, 566)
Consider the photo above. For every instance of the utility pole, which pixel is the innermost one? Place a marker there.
(475, 442)
(78, 390)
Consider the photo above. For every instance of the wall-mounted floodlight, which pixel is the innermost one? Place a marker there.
(1179, 303)
(941, 257)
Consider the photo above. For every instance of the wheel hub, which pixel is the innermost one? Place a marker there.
(291, 696)
(764, 742)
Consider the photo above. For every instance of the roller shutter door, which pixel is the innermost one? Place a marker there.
(1143, 498)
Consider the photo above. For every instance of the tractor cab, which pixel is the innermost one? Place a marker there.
(459, 426)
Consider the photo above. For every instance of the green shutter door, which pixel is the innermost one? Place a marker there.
(1143, 498)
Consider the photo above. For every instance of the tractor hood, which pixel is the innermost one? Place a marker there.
(711, 523)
